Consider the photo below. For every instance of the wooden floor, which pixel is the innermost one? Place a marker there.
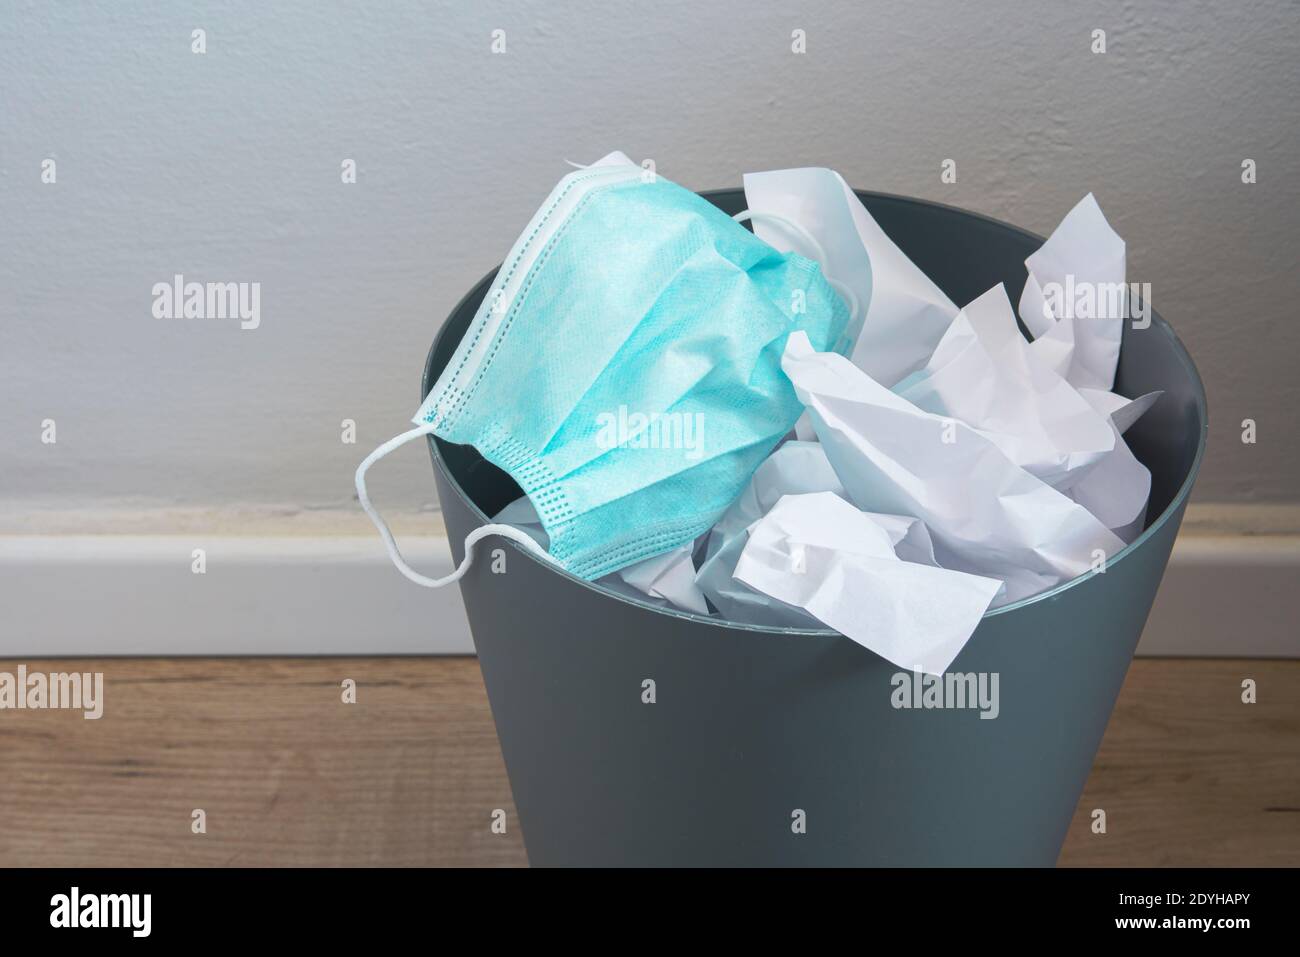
(411, 774)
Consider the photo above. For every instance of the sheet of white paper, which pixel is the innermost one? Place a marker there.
(905, 313)
(985, 514)
(803, 429)
(909, 536)
(1075, 300)
(793, 468)
(668, 578)
(1116, 492)
(616, 158)
(1117, 488)
(983, 373)
(819, 553)
(1121, 411)
(1039, 319)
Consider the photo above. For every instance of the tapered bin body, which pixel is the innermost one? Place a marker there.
(751, 726)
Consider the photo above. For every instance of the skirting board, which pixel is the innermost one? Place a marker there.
(1223, 596)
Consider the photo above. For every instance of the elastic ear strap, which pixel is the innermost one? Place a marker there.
(483, 531)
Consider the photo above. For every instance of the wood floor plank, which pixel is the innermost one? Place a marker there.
(288, 774)
(1189, 775)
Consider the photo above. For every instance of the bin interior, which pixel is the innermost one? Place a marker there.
(965, 254)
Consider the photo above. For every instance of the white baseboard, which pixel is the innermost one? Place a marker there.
(139, 595)
(1223, 596)
(1227, 597)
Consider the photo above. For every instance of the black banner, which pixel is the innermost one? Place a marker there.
(336, 906)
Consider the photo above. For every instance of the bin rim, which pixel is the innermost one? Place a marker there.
(427, 381)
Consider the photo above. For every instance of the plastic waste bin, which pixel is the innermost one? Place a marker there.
(784, 747)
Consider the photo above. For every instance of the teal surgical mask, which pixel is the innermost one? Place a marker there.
(625, 368)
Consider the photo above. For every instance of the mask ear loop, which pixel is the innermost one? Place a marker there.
(818, 253)
(483, 531)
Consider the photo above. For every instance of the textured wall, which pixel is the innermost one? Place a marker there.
(226, 166)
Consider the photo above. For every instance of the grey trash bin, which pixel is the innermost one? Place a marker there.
(752, 726)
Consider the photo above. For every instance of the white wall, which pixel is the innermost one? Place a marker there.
(226, 166)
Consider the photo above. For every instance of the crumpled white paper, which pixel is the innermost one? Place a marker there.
(1122, 412)
(1075, 303)
(905, 314)
(1117, 488)
(1075, 300)
(983, 373)
(985, 514)
(819, 553)
(794, 468)
(668, 578)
